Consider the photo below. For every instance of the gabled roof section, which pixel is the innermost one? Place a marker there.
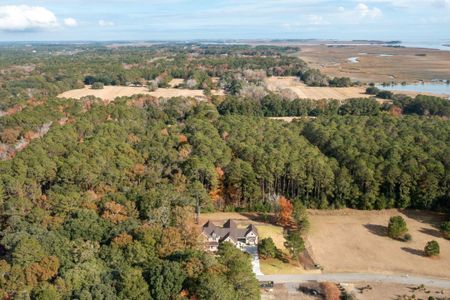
(251, 228)
(229, 230)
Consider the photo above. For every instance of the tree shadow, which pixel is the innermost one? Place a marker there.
(423, 216)
(379, 230)
(413, 251)
(432, 232)
(257, 217)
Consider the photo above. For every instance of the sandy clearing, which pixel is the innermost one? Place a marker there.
(291, 119)
(112, 92)
(176, 81)
(355, 241)
(314, 93)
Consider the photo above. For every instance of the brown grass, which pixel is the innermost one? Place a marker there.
(112, 92)
(356, 241)
(314, 93)
(403, 65)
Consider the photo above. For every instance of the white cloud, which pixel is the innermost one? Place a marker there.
(104, 23)
(25, 18)
(316, 20)
(363, 11)
(70, 22)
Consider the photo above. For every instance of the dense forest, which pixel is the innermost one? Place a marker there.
(104, 193)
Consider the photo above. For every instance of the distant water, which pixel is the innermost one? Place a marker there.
(353, 60)
(435, 88)
(440, 44)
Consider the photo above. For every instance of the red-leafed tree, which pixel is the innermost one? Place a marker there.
(286, 209)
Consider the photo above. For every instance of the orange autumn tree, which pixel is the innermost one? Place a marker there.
(286, 209)
(115, 212)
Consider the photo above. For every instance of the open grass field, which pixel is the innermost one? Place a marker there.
(314, 93)
(112, 92)
(377, 63)
(356, 241)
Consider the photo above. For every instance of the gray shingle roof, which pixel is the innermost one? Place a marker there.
(229, 229)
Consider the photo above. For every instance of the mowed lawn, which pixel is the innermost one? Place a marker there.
(356, 241)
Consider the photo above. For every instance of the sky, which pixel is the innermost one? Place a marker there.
(100, 20)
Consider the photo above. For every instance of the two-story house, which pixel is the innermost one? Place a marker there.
(229, 232)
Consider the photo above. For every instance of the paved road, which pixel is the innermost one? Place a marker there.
(356, 277)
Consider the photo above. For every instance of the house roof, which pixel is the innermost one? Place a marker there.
(228, 230)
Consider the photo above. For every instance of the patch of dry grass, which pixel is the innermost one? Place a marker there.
(273, 266)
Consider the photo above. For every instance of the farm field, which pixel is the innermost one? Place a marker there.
(356, 241)
(315, 93)
(112, 92)
(378, 63)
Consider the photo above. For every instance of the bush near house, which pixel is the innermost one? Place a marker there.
(268, 249)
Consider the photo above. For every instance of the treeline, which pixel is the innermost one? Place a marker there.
(313, 77)
(275, 105)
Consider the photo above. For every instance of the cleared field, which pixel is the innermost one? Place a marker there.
(356, 241)
(112, 92)
(376, 63)
(314, 93)
(274, 266)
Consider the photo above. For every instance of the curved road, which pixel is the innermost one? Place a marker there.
(356, 277)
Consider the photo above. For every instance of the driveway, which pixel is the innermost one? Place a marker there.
(357, 277)
(253, 251)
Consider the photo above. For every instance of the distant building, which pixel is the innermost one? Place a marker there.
(229, 232)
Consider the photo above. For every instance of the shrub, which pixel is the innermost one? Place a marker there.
(97, 86)
(432, 248)
(341, 82)
(313, 77)
(385, 94)
(445, 230)
(371, 90)
(267, 248)
(397, 227)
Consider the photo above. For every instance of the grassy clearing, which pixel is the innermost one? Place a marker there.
(272, 266)
(274, 232)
